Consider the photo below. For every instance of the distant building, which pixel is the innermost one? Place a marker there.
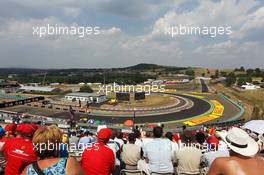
(9, 86)
(218, 80)
(54, 84)
(33, 84)
(40, 89)
(86, 97)
(203, 78)
(154, 82)
(249, 86)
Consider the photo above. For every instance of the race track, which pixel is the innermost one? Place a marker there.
(199, 107)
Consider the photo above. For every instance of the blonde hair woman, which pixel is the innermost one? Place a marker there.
(47, 142)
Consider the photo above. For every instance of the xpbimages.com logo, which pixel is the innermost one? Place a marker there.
(58, 30)
(211, 31)
(130, 88)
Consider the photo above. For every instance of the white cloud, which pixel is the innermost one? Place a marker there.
(71, 11)
(117, 47)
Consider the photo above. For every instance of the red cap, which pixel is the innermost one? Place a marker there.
(213, 141)
(28, 129)
(104, 134)
(11, 128)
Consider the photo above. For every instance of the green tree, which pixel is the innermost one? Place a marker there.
(223, 74)
(243, 80)
(250, 72)
(242, 69)
(230, 79)
(258, 72)
(86, 88)
(190, 72)
(216, 73)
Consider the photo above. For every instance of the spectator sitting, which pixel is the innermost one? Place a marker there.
(119, 138)
(261, 146)
(99, 159)
(176, 138)
(174, 145)
(242, 158)
(93, 138)
(148, 138)
(19, 150)
(10, 132)
(64, 146)
(46, 140)
(116, 149)
(131, 153)
(188, 155)
(84, 141)
(157, 154)
(73, 140)
(201, 140)
(2, 157)
(213, 153)
(138, 139)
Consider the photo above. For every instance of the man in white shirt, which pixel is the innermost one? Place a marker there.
(158, 153)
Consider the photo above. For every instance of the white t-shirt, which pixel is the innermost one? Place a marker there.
(159, 153)
(145, 141)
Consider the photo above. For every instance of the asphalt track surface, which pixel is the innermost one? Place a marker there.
(199, 107)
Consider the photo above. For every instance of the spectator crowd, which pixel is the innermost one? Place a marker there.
(30, 149)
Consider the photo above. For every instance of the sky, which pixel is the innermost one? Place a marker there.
(131, 32)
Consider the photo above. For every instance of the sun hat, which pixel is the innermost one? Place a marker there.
(240, 142)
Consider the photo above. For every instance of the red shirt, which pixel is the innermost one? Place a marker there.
(99, 160)
(19, 153)
(4, 139)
